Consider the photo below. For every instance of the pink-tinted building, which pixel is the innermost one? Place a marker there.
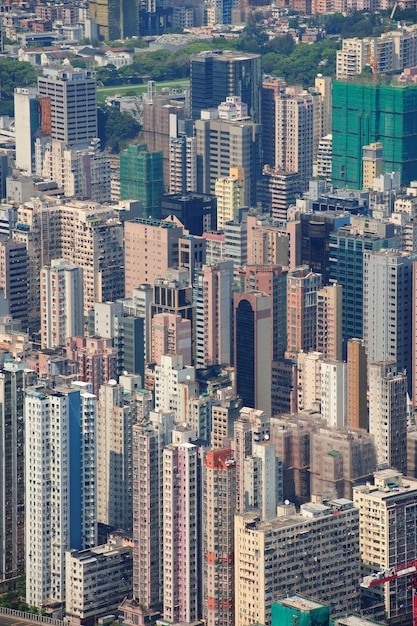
(218, 537)
(171, 334)
(96, 359)
(329, 322)
(214, 314)
(302, 287)
(180, 512)
(151, 247)
(272, 280)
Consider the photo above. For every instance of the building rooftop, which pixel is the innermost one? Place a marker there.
(300, 603)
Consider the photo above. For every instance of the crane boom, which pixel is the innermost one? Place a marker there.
(398, 571)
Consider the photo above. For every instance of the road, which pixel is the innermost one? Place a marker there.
(11, 620)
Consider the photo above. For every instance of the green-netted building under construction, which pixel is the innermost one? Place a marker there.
(364, 113)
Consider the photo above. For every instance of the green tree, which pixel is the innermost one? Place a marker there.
(115, 128)
(15, 74)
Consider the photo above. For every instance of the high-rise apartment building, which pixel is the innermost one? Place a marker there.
(229, 194)
(372, 163)
(115, 418)
(13, 378)
(340, 459)
(302, 288)
(171, 334)
(253, 349)
(14, 278)
(334, 393)
(157, 243)
(223, 416)
(213, 309)
(217, 75)
(387, 307)
(182, 164)
(219, 498)
(346, 258)
(251, 427)
(389, 504)
(388, 413)
(329, 322)
(96, 359)
(142, 178)
(277, 191)
(271, 280)
(91, 236)
(60, 486)
(180, 527)
(223, 144)
(365, 113)
(172, 294)
(271, 561)
(357, 384)
(149, 439)
(26, 107)
(61, 303)
(294, 147)
(73, 104)
(309, 380)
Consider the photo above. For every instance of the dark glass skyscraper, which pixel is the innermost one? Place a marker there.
(216, 75)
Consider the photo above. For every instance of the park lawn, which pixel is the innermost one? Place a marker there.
(122, 90)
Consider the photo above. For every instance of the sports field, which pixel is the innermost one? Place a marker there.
(134, 90)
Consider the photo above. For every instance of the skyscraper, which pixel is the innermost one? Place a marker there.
(302, 288)
(365, 113)
(223, 144)
(271, 280)
(387, 307)
(115, 419)
(142, 178)
(62, 303)
(180, 527)
(294, 146)
(12, 485)
(253, 349)
(388, 413)
(27, 113)
(329, 322)
(213, 309)
(218, 530)
(346, 255)
(14, 277)
(73, 104)
(116, 19)
(60, 486)
(390, 503)
(357, 384)
(217, 75)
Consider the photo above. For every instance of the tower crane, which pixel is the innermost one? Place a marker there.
(398, 571)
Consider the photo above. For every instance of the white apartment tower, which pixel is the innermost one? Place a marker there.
(26, 115)
(334, 393)
(73, 103)
(388, 413)
(61, 303)
(115, 419)
(60, 486)
(182, 164)
(387, 308)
